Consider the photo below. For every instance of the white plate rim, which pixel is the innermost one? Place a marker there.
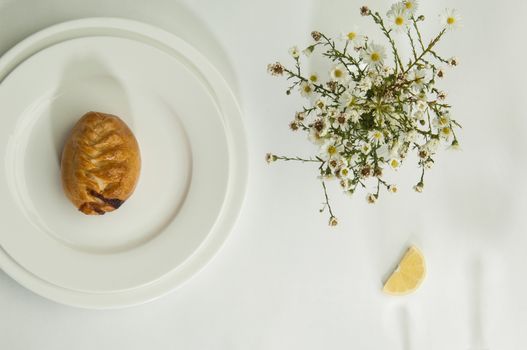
(238, 167)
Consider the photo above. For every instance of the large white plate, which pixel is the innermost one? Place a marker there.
(193, 177)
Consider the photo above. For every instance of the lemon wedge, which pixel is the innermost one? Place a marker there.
(408, 275)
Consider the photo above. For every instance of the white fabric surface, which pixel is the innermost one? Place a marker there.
(285, 280)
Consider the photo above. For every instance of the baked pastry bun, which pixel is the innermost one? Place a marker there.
(100, 163)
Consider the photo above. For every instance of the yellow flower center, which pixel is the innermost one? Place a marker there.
(377, 135)
(375, 56)
(408, 5)
(399, 21)
(450, 20)
(394, 163)
(352, 35)
(338, 73)
(332, 150)
(446, 131)
(313, 78)
(307, 89)
(344, 172)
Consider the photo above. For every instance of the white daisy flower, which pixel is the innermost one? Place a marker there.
(454, 146)
(411, 6)
(300, 116)
(396, 7)
(332, 113)
(320, 126)
(344, 173)
(294, 52)
(366, 171)
(333, 221)
(294, 125)
(428, 164)
(371, 198)
(321, 104)
(306, 89)
(395, 163)
(365, 148)
(419, 187)
(333, 164)
(442, 121)
(453, 61)
(330, 150)
(339, 73)
(450, 19)
(441, 95)
(446, 134)
(315, 137)
(423, 153)
(313, 78)
(275, 69)
(341, 121)
(398, 17)
(353, 37)
(374, 55)
(337, 163)
(393, 189)
(376, 136)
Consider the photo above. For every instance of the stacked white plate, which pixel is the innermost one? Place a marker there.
(194, 162)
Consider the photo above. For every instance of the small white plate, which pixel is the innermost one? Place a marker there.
(193, 176)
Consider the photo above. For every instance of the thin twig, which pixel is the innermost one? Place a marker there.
(427, 50)
(326, 203)
(298, 159)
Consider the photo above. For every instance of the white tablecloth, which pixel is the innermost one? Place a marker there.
(285, 280)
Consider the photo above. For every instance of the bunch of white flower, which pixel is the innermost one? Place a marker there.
(370, 113)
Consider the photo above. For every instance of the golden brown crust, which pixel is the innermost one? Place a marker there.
(100, 163)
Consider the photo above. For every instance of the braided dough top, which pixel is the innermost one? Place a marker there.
(100, 163)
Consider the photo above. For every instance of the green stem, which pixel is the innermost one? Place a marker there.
(441, 59)
(427, 50)
(418, 33)
(298, 159)
(412, 43)
(378, 19)
(327, 200)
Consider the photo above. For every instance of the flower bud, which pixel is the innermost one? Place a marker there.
(316, 35)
